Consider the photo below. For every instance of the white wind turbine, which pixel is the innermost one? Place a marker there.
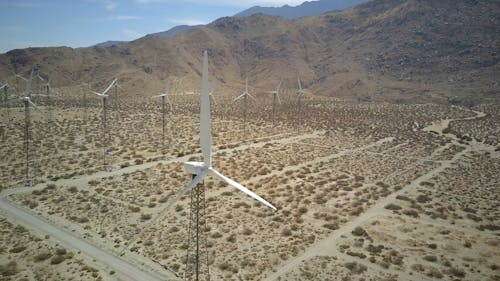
(164, 99)
(104, 97)
(300, 94)
(5, 89)
(49, 90)
(201, 169)
(276, 97)
(197, 258)
(245, 95)
(28, 103)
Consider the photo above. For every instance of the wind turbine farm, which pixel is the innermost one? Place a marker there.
(347, 154)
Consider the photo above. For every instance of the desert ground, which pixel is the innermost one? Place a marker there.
(364, 191)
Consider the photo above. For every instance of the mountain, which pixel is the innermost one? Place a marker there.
(109, 43)
(176, 30)
(305, 9)
(387, 50)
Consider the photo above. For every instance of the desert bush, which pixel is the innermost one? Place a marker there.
(134, 209)
(216, 235)
(430, 258)
(247, 231)
(145, 217)
(355, 267)
(356, 254)
(359, 231)
(173, 229)
(17, 249)
(83, 220)
(457, 272)
(434, 273)
(331, 226)
(42, 256)
(411, 213)
(9, 269)
(423, 198)
(286, 232)
(231, 238)
(61, 251)
(57, 259)
(392, 207)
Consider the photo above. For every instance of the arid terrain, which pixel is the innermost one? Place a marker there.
(378, 190)
(388, 170)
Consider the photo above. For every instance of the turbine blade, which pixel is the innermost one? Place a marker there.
(205, 141)
(279, 99)
(110, 85)
(279, 86)
(239, 97)
(32, 104)
(241, 188)
(300, 84)
(248, 94)
(19, 76)
(96, 93)
(213, 99)
(194, 182)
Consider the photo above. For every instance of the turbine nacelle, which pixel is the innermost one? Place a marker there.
(194, 168)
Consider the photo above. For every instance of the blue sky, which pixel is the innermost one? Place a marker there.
(82, 23)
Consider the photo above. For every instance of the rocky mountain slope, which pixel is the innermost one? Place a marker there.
(307, 8)
(412, 50)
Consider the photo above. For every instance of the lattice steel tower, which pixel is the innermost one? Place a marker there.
(197, 253)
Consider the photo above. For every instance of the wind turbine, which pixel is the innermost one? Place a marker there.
(17, 77)
(28, 103)
(276, 97)
(48, 94)
(300, 94)
(5, 89)
(104, 97)
(197, 260)
(245, 95)
(164, 99)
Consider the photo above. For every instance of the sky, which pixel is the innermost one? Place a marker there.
(83, 23)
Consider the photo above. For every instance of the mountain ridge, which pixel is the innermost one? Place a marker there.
(307, 8)
(388, 50)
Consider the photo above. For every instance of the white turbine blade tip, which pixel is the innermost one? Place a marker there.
(242, 188)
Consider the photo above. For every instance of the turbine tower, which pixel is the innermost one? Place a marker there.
(28, 103)
(276, 97)
(164, 98)
(197, 255)
(245, 95)
(104, 97)
(5, 89)
(300, 94)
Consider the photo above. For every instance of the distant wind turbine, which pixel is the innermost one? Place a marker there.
(300, 94)
(276, 98)
(245, 95)
(104, 97)
(164, 99)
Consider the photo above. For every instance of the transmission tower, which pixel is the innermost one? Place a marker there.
(197, 253)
